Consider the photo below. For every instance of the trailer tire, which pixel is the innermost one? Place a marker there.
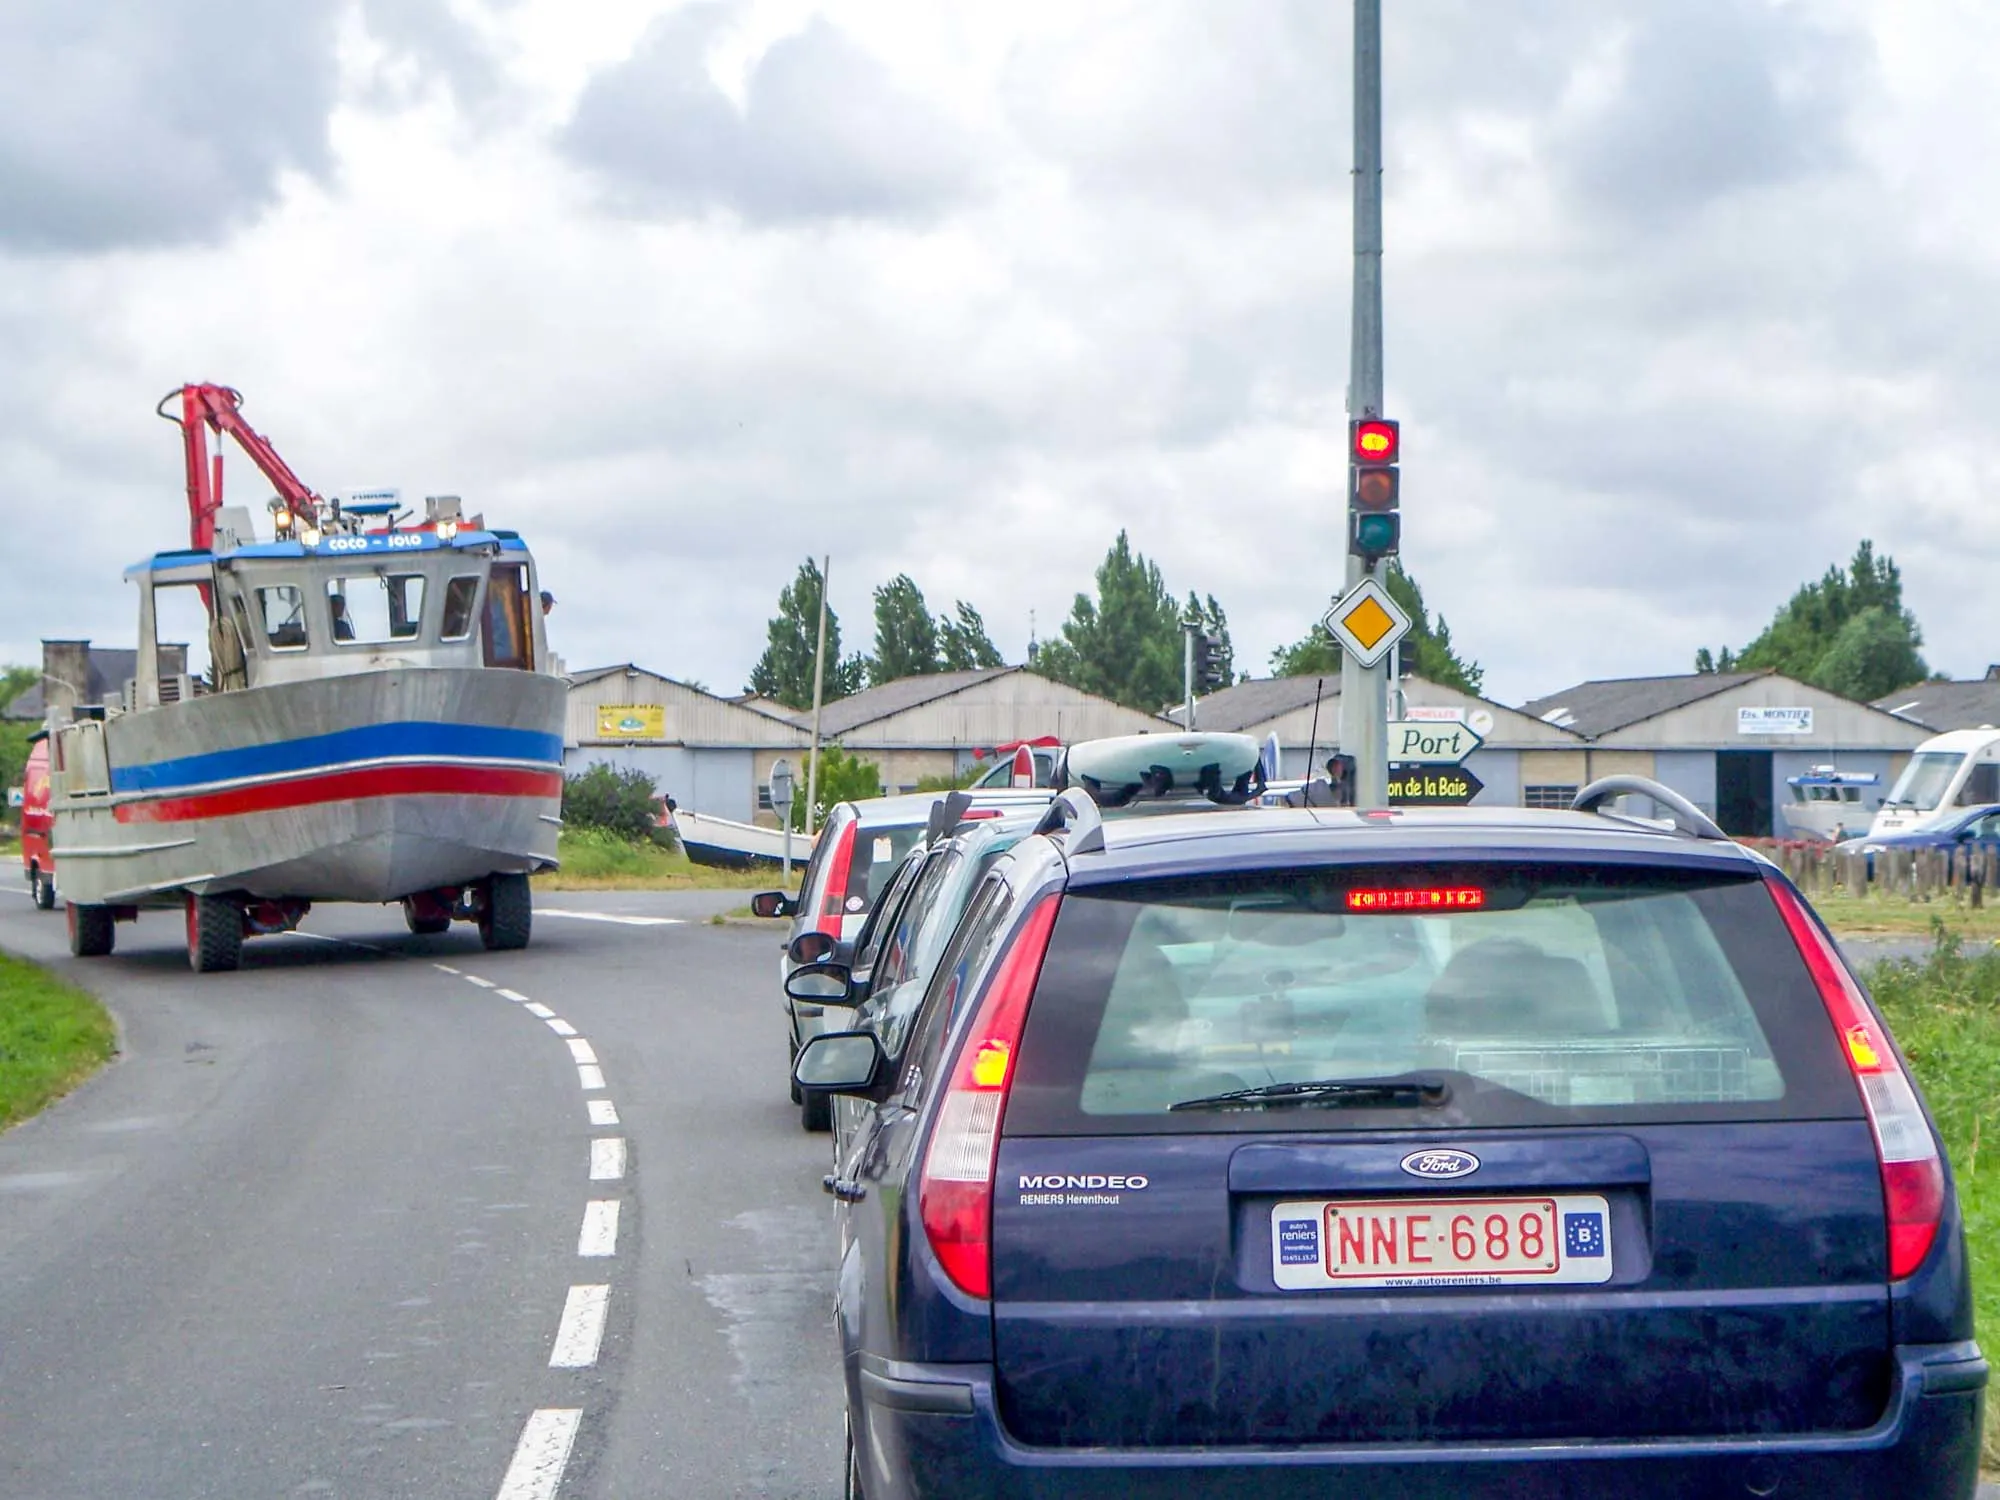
(422, 924)
(44, 888)
(214, 934)
(508, 915)
(92, 930)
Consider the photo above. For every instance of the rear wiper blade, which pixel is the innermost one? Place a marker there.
(1331, 1093)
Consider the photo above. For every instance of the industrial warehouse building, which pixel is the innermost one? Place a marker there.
(1726, 741)
(1521, 757)
(708, 754)
(943, 723)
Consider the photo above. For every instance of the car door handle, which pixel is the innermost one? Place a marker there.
(846, 1189)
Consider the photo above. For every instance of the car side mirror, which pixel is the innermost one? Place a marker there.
(841, 1062)
(824, 984)
(772, 904)
(811, 947)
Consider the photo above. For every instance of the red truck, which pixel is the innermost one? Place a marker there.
(38, 859)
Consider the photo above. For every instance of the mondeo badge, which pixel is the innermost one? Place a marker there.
(1440, 1165)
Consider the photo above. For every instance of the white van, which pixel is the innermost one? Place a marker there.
(1958, 769)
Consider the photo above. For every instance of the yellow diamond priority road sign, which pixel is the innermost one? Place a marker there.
(1367, 622)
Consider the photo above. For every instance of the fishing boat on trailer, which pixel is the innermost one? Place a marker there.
(1828, 804)
(378, 724)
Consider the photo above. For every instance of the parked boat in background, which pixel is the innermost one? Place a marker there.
(729, 845)
(1830, 805)
(378, 724)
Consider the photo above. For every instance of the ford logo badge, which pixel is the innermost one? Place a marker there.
(1440, 1165)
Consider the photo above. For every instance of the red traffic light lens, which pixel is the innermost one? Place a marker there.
(1376, 441)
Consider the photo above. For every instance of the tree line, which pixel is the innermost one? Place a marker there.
(1123, 641)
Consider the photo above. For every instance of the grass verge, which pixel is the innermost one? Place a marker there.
(597, 861)
(1868, 916)
(1945, 1011)
(52, 1037)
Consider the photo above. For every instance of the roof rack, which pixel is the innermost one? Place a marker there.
(1684, 817)
(1075, 816)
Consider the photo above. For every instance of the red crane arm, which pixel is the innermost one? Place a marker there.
(217, 406)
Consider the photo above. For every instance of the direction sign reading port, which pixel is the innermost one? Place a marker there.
(1367, 622)
(1427, 743)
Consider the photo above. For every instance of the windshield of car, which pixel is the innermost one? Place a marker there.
(1926, 779)
(1530, 992)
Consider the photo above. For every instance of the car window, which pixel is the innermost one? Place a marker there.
(957, 972)
(882, 918)
(1533, 992)
(877, 852)
(923, 929)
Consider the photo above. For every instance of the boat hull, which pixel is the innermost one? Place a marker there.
(725, 844)
(365, 787)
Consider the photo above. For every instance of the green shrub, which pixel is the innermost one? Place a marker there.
(624, 804)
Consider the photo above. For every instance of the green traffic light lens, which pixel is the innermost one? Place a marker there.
(1376, 535)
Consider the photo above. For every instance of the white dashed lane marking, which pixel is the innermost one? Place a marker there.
(581, 1331)
(581, 1051)
(515, 995)
(600, 1228)
(559, 1026)
(484, 984)
(602, 1112)
(591, 1077)
(444, 968)
(605, 916)
(541, 1456)
(607, 1159)
(536, 1008)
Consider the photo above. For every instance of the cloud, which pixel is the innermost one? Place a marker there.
(137, 122)
(824, 131)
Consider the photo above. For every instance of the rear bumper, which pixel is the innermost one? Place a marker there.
(929, 1432)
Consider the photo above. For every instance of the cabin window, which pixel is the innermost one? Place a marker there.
(284, 610)
(1983, 785)
(376, 609)
(510, 633)
(460, 595)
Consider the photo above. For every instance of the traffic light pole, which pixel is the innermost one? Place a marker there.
(1364, 732)
(1187, 670)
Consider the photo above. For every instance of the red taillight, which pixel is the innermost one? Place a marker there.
(956, 1193)
(1912, 1171)
(837, 865)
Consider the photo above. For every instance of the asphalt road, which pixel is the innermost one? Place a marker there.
(318, 1232)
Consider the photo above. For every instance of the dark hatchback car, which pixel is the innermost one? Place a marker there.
(1286, 1153)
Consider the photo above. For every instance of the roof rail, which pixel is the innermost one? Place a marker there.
(1075, 816)
(1687, 819)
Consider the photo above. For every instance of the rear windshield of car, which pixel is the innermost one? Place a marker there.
(1497, 995)
(877, 853)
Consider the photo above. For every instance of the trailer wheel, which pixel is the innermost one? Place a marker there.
(509, 912)
(44, 887)
(92, 930)
(423, 922)
(214, 934)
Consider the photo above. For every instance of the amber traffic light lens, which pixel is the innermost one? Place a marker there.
(1376, 489)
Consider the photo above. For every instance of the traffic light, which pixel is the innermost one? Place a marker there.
(1209, 673)
(1375, 524)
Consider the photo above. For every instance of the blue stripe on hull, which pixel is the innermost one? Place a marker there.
(318, 751)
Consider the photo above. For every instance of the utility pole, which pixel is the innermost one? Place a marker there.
(1363, 690)
(819, 688)
(1188, 628)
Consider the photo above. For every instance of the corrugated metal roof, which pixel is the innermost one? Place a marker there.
(905, 693)
(1946, 705)
(1592, 709)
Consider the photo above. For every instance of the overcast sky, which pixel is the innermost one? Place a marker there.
(1684, 297)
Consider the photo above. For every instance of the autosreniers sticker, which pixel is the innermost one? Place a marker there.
(1078, 1189)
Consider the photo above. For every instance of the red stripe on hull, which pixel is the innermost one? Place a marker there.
(347, 786)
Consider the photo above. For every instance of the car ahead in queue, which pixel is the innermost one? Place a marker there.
(1972, 828)
(1308, 1152)
(859, 850)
